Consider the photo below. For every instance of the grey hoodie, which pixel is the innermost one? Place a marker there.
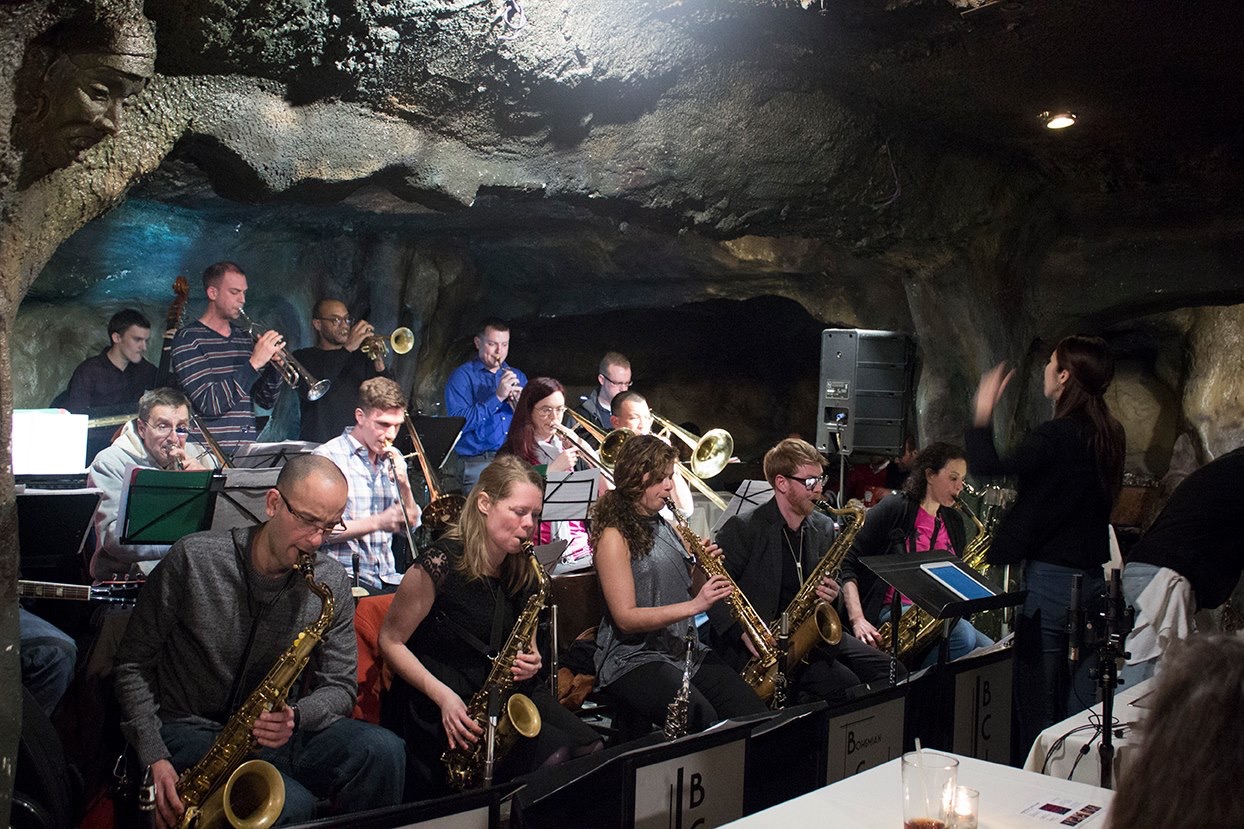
(109, 472)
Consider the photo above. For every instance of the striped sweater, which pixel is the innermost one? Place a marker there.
(216, 374)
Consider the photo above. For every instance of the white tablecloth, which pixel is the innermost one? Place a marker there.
(873, 799)
(1127, 713)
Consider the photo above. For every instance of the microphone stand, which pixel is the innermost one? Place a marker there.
(1115, 623)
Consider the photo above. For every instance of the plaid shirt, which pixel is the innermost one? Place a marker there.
(371, 492)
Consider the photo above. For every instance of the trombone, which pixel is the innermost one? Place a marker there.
(709, 455)
(376, 347)
(292, 371)
(602, 459)
(442, 510)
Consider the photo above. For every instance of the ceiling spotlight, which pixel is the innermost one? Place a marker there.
(1058, 120)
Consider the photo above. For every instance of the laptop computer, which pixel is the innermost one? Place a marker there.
(49, 449)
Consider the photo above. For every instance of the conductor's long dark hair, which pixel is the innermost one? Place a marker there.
(1090, 368)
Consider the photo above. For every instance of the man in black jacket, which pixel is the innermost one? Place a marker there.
(769, 552)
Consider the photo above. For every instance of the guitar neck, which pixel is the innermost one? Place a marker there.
(52, 590)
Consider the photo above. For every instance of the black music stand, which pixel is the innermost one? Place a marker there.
(160, 507)
(439, 436)
(748, 496)
(903, 572)
(241, 499)
(270, 455)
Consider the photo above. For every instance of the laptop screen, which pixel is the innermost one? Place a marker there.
(48, 442)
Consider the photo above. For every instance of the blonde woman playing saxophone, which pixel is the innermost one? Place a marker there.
(456, 604)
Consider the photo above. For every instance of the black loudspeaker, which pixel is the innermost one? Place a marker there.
(866, 381)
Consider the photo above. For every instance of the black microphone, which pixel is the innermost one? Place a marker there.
(1075, 619)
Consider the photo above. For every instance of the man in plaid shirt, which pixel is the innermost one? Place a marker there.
(376, 474)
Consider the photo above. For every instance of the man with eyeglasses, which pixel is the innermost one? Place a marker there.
(210, 623)
(379, 487)
(769, 552)
(337, 356)
(613, 376)
(157, 439)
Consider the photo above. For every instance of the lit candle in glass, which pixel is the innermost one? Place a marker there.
(967, 804)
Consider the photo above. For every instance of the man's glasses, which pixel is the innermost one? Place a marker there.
(545, 411)
(163, 430)
(810, 483)
(312, 523)
(625, 384)
(337, 320)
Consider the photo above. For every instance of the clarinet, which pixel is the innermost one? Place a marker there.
(676, 711)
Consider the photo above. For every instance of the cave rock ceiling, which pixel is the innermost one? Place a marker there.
(881, 163)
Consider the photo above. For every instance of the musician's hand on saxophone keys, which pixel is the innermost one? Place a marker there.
(711, 549)
(526, 665)
(460, 730)
(713, 591)
(828, 590)
(169, 808)
(272, 729)
(866, 633)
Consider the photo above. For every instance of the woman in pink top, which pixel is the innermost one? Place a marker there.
(922, 517)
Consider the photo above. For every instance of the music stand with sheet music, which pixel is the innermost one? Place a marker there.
(270, 455)
(904, 572)
(746, 498)
(160, 507)
(241, 500)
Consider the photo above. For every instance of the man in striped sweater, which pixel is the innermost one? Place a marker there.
(221, 368)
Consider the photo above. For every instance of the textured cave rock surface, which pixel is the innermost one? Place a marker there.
(870, 165)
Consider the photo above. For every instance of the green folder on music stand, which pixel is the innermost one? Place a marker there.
(161, 507)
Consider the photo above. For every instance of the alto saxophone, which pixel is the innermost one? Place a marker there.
(918, 630)
(205, 787)
(740, 608)
(467, 765)
(810, 619)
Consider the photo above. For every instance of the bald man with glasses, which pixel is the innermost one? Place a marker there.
(770, 552)
(337, 356)
(613, 377)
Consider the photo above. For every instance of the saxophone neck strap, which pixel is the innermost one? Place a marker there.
(488, 650)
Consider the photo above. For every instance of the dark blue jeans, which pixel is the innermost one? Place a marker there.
(48, 655)
(1046, 691)
(352, 764)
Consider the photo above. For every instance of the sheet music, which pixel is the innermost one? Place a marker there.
(568, 496)
(270, 455)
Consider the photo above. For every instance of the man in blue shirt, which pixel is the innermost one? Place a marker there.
(484, 391)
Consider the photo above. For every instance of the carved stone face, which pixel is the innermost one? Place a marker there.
(85, 94)
(74, 83)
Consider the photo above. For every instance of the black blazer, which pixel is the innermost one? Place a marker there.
(890, 527)
(753, 555)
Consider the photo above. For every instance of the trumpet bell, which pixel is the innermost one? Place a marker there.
(318, 389)
(402, 340)
(711, 453)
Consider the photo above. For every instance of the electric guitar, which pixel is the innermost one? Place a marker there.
(121, 592)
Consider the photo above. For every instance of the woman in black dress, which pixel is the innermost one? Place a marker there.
(457, 604)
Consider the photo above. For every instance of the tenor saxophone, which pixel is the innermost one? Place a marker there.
(810, 619)
(519, 717)
(741, 609)
(918, 630)
(207, 789)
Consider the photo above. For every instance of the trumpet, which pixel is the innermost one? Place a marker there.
(292, 371)
(376, 346)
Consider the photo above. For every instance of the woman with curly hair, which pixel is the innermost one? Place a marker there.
(645, 575)
(921, 517)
